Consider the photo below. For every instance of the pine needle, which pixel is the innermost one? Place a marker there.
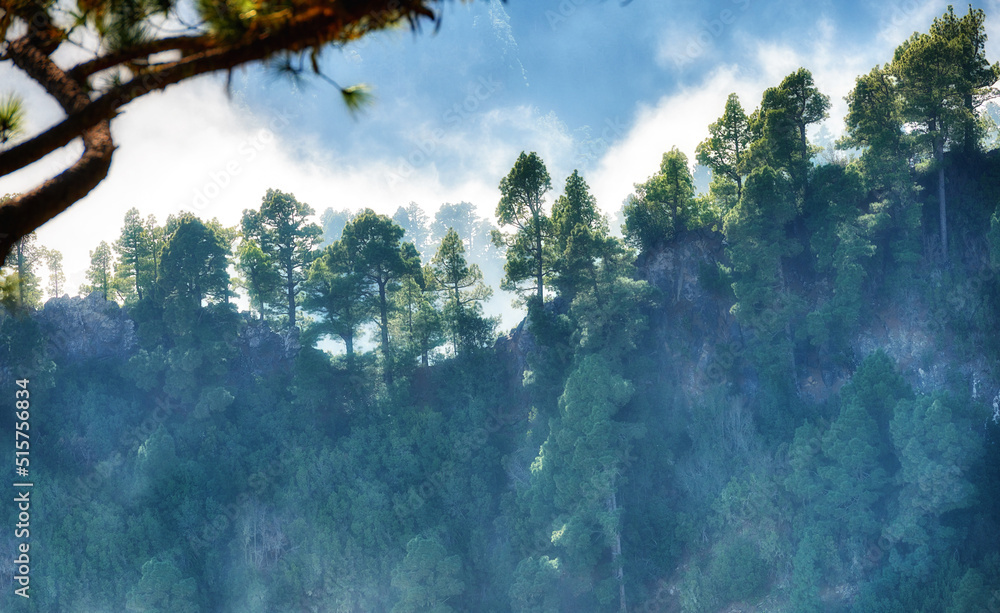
(357, 97)
(11, 117)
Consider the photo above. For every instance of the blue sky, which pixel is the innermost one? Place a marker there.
(599, 86)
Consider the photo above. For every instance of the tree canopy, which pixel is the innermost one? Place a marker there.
(522, 207)
(220, 36)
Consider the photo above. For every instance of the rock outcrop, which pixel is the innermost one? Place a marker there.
(87, 328)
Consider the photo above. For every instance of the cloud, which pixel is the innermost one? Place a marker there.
(684, 42)
(902, 18)
(681, 118)
(192, 149)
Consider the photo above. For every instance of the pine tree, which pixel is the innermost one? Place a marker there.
(381, 260)
(134, 268)
(580, 235)
(725, 150)
(100, 274)
(336, 288)
(464, 291)
(522, 207)
(662, 206)
(282, 230)
(259, 276)
(25, 256)
(57, 278)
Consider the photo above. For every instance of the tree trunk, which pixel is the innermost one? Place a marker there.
(739, 177)
(135, 267)
(349, 341)
(539, 271)
(384, 324)
(971, 144)
(616, 554)
(802, 141)
(20, 274)
(156, 273)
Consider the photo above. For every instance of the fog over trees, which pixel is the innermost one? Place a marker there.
(778, 394)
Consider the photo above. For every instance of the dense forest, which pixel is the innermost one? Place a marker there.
(782, 391)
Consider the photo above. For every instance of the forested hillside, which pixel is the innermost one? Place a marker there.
(782, 394)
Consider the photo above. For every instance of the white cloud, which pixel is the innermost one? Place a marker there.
(901, 19)
(192, 149)
(681, 118)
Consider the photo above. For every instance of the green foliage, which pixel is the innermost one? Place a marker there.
(258, 275)
(943, 77)
(807, 574)
(970, 73)
(162, 590)
(522, 208)
(193, 269)
(972, 594)
(420, 324)
(473, 229)
(935, 451)
(779, 126)
(535, 586)
(336, 289)
(842, 244)
(874, 120)
(463, 290)
(736, 572)
(755, 231)
(100, 274)
(25, 256)
(611, 312)
(663, 206)
(875, 124)
(218, 465)
(951, 588)
(837, 473)
(877, 387)
(333, 223)
(725, 150)
(575, 477)
(57, 278)
(375, 253)
(282, 230)
(134, 270)
(414, 222)
(580, 236)
(11, 118)
(840, 472)
(427, 578)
